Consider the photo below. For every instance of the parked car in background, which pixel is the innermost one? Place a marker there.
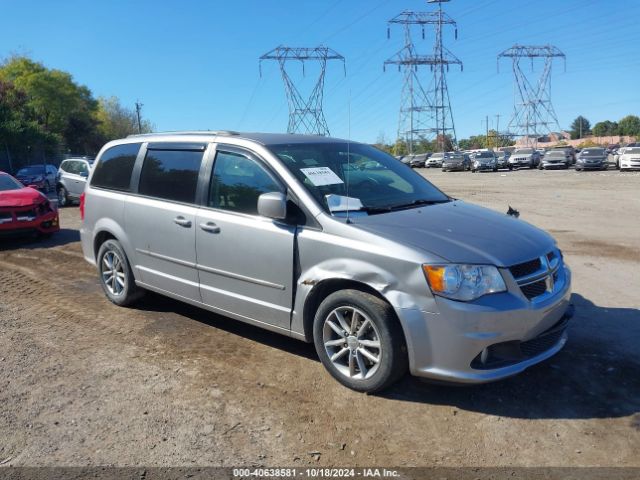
(630, 159)
(456, 161)
(406, 159)
(25, 210)
(269, 230)
(418, 160)
(71, 179)
(555, 159)
(592, 159)
(484, 161)
(436, 160)
(502, 160)
(524, 158)
(42, 177)
(569, 152)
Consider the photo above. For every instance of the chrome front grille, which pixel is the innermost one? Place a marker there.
(538, 277)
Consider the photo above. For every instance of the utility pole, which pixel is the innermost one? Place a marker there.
(498, 136)
(138, 110)
(486, 124)
(533, 112)
(305, 115)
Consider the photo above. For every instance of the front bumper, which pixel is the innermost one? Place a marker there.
(592, 166)
(453, 166)
(484, 167)
(47, 223)
(448, 345)
(554, 164)
(630, 165)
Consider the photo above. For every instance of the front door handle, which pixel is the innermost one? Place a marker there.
(210, 227)
(183, 222)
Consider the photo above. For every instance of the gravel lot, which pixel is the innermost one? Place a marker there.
(83, 382)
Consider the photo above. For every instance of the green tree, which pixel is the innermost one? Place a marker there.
(60, 106)
(19, 129)
(580, 127)
(604, 129)
(629, 125)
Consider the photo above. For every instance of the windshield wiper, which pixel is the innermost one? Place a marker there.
(417, 203)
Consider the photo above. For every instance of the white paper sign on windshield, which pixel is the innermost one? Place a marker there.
(320, 176)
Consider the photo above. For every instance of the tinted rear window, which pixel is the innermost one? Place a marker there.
(115, 167)
(171, 175)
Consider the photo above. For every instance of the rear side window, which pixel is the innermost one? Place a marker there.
(171, 175)
(114, 169)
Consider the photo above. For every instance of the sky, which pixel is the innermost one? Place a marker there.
(194, 64)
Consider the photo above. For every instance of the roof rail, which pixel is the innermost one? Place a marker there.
(186, 132)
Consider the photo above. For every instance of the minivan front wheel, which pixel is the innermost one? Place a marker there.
(359, 341)
(116, 277)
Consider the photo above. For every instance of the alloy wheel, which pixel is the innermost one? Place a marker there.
(113, 275)
(352, 343)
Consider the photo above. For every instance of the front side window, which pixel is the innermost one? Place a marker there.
(237, 182)
(337, 173)
(171, 175)
(115, 167)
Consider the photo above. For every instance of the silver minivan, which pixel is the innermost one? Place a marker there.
(330, 242)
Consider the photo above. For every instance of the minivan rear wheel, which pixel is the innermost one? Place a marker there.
(359, 341)
(116, 276)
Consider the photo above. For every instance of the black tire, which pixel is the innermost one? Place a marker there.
(63, 196)
(393, 362)
(130, 292)
(578, 169)
(510, 168)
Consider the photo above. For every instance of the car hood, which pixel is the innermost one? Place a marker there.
(462, 233)
(22, 197)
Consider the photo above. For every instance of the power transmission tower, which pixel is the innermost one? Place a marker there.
(305, 115)
(533, 113)
(424, 114)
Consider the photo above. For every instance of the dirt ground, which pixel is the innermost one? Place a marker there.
(83, 382)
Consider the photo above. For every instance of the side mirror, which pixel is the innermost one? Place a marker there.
(84, 174)
(272, 205)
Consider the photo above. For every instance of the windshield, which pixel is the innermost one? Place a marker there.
(372, 180)
(592, 152)
(634, 151)
(484, 155)
(8, 183)
(32, 170)
(528, 151)
(556, 154)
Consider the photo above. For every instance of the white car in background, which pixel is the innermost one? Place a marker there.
(629, 159)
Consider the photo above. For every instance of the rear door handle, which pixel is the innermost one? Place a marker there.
(210, 227)
(183, 222)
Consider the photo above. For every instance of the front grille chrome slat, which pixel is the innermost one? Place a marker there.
(537, 277)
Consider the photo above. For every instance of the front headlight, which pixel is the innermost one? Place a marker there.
(464, 282)
(39, 178)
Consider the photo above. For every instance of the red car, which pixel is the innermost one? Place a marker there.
(24, 210)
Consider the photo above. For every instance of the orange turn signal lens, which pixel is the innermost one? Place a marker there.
(435, 277)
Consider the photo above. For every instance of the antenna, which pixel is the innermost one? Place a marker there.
(348, 153)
